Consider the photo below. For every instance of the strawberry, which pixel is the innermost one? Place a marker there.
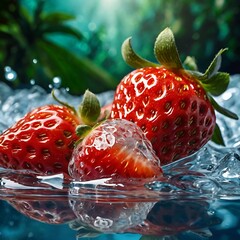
(173, 106)
(42, 141)
(114, 148)
(105, 111)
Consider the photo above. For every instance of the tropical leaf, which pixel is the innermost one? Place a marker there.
(62, 29)
(56, 18)
(78, 74)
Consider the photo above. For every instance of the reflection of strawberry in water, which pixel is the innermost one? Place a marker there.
(32, 195)
(109, 217)
(169, 217)
(47, 211)
(166, 217)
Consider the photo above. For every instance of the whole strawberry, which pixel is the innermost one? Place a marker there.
(42, 141)
(112, 148)
(172, 106)
(115, 148)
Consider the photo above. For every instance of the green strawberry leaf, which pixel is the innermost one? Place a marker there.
(63, 103)
(190, 63)
(83, 130)
(223, 110)
(133, 59)
(165, 50)
(90, 108)
(217, 84)
(214, 66)
(217, 136)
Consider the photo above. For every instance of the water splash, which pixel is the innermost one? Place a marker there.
(207, 180)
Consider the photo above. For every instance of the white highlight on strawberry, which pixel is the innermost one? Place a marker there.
(147, 82)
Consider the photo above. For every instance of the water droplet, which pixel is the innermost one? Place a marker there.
(35, 61)
(56, 82)
(10, 74)
(32, 82)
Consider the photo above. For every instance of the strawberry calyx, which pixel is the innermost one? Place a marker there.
(90, 108)
(213, 82)
(89, 112)
(83, 130)
(166, 52)
(132, 58)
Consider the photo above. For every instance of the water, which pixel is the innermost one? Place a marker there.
(198, 197)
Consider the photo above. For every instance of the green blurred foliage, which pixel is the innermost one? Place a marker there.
(88, 54)
(201, 29)
(27, 49)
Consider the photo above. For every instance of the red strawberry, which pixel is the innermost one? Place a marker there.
(114, 148)
(105, 111)
(172, 106)
(42, 141)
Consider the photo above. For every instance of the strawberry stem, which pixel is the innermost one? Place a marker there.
(166, 51)
(63, 103)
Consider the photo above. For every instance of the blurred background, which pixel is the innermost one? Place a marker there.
(76, 44)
